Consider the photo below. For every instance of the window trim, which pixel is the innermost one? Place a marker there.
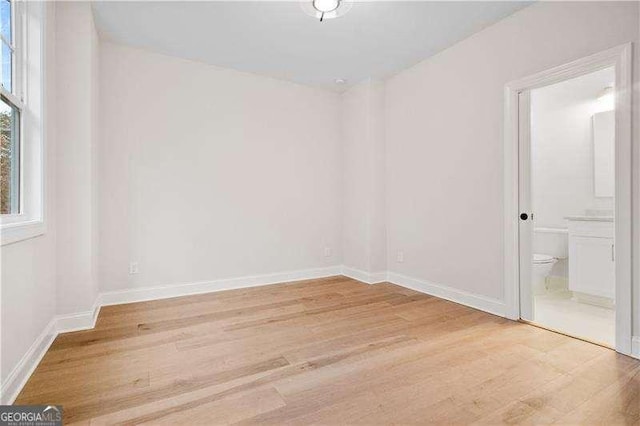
(20, 231)
(19, 61)
(15, 99)
(29, 38)
(16, 161)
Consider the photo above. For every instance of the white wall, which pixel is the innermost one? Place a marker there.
(55, 273)
(208, 173)
(364, 237)
(562, 150)
(76, 70)
(27, 284)
(636, 186)
(444, 137)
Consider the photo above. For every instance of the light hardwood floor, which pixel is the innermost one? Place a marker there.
(328, 351)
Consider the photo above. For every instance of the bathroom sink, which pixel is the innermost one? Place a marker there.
(593, 216)
(590, 218)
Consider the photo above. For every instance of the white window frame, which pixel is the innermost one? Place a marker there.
(28, 26)
(16, 95)
(18, 27)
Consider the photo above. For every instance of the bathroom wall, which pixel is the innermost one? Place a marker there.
(562, 149)
(562, 159)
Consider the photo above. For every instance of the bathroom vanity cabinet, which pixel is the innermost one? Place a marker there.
(592, 256)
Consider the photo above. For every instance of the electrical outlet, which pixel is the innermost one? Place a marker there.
(400, 257)
(133, 268)
(327, 252)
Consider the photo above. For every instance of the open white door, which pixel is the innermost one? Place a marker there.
(525, 207)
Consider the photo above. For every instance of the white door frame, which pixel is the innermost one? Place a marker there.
(620, 58)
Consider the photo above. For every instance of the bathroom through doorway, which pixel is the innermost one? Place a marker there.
(572, 191)
(568, 147)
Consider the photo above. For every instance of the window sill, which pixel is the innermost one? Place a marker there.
(20, 231)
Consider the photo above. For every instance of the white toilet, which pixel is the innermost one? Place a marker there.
(542, 265)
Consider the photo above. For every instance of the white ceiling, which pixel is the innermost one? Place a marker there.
(276, 38)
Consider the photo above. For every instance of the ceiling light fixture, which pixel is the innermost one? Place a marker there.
(326, 9)
(325, 6)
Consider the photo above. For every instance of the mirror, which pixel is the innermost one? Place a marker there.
(604, 154)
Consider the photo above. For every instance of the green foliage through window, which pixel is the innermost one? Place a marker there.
(9, 158)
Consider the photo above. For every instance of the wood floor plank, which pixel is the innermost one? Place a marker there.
(327, 351)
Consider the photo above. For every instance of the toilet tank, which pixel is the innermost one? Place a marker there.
(554, 242)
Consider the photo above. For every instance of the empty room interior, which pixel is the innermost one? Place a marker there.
(320, 212)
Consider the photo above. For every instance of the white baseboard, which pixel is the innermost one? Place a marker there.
(86, 320)
(27, 365)
(18, 377)
(77, 322)
(483, 303)
(164, 292)
(493, 306)
(635, 347)
(365, 277)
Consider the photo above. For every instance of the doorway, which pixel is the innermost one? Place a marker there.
(567, 185)
(568, 199)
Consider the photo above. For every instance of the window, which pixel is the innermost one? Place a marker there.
(22, 126)
(10, 112)
(9, 158)
(8, 47)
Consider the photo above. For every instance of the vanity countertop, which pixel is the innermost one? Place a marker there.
(590, 218)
